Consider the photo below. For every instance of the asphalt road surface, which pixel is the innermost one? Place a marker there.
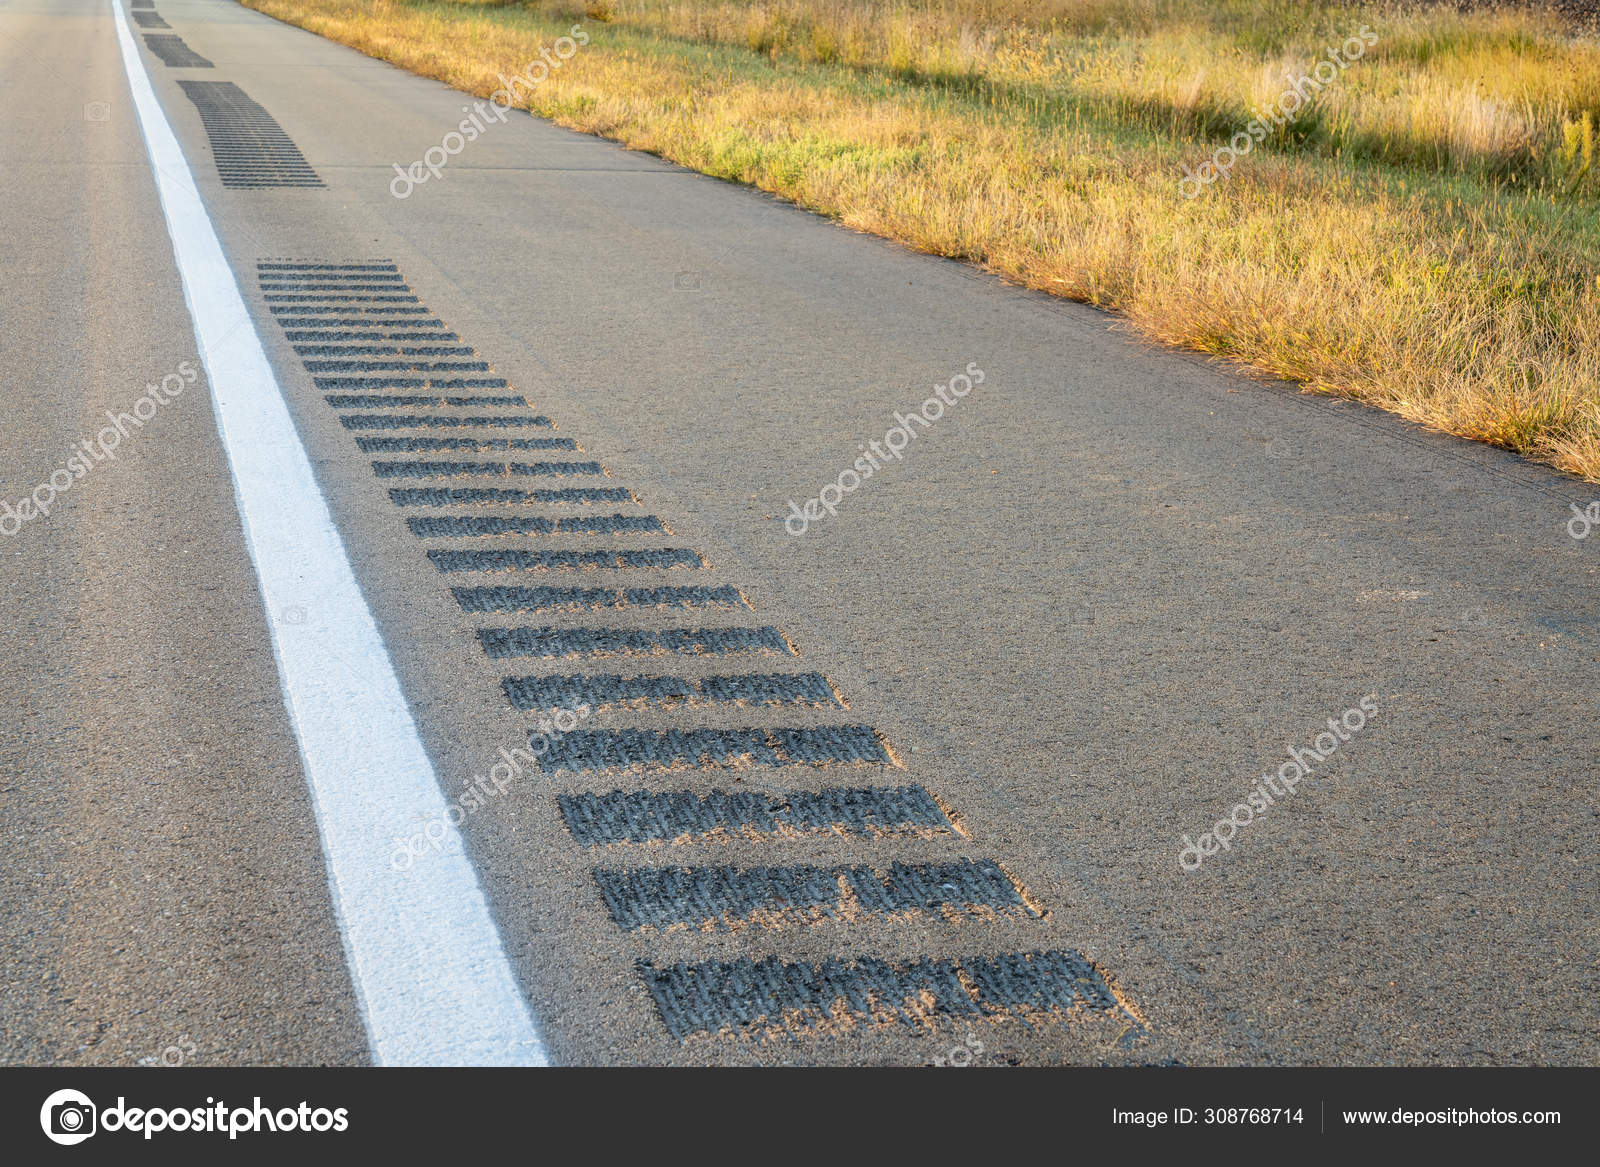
(910, 785)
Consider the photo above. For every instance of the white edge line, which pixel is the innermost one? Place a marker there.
(432, 976)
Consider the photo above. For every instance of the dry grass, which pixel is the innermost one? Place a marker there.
(1423, 239)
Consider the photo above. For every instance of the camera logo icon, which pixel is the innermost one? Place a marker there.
(67, 1117)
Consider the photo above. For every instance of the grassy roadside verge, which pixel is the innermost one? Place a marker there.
(1423, 235)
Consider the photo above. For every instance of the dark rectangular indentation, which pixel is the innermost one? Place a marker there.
(336, 324)
(421, 401)
(675, 749)
(340, 287)
(601, 690)
(774, 997)
(174, 53)
(146, 19)
(770, 689)
(418, 350)
(363, 315)
(583, 494)
(476, 445)
(382, 313)
(548, 599)
(436, 469)
(422, 469)
(474, 525)
(552, 469)
(385, 275)
(342, 302)
(566, 642)
(400, 421)
(594, 691)
(639, 817)
(249, 147)
(338, 290)
(290, 269)
(661, 558)
(293, 314)
(729, 898)
(374, 384)
(412, 401)
(381, 400)
(298, 265)
(442, 496)
(298, 332)
(365, 366)
(342, 320)
(365, 386)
